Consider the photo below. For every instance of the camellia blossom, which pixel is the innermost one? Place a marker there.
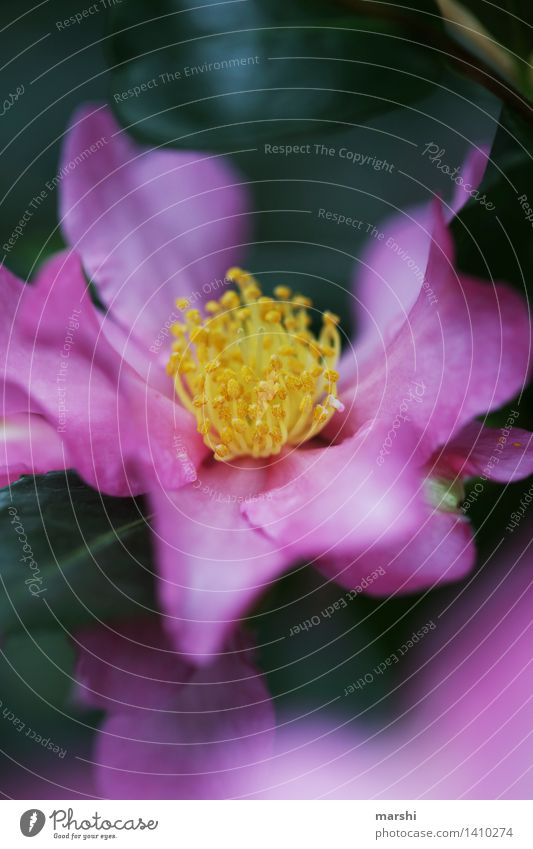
(256, 446)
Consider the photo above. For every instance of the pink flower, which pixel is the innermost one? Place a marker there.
(343, 472)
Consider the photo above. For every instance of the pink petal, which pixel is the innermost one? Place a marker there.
(392, 270)
(388, 280)
(504, 454)
(171, 731)
(470, 352)
(149, 365)
(29, 446)
(12, 291)
(50, 779)
(472, 172)
(118, 433)
(341, 497)
(149, 225)
(439, 551)
(115, 663)
(49, 333)
(477, 710)
(212, 564)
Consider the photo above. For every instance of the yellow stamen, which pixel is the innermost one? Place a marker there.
(252, 373)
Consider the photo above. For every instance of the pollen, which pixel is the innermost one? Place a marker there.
(251, 371)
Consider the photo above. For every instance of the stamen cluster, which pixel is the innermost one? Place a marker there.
(252, 372)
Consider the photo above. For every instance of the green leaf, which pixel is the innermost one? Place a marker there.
(228, 75)
(70, 556)
(35, 672)
(498, 244)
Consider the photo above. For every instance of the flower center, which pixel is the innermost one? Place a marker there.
(252, 373)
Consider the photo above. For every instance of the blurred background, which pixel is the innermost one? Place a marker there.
(377, 81)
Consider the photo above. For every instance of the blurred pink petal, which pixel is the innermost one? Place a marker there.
(172, 731)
